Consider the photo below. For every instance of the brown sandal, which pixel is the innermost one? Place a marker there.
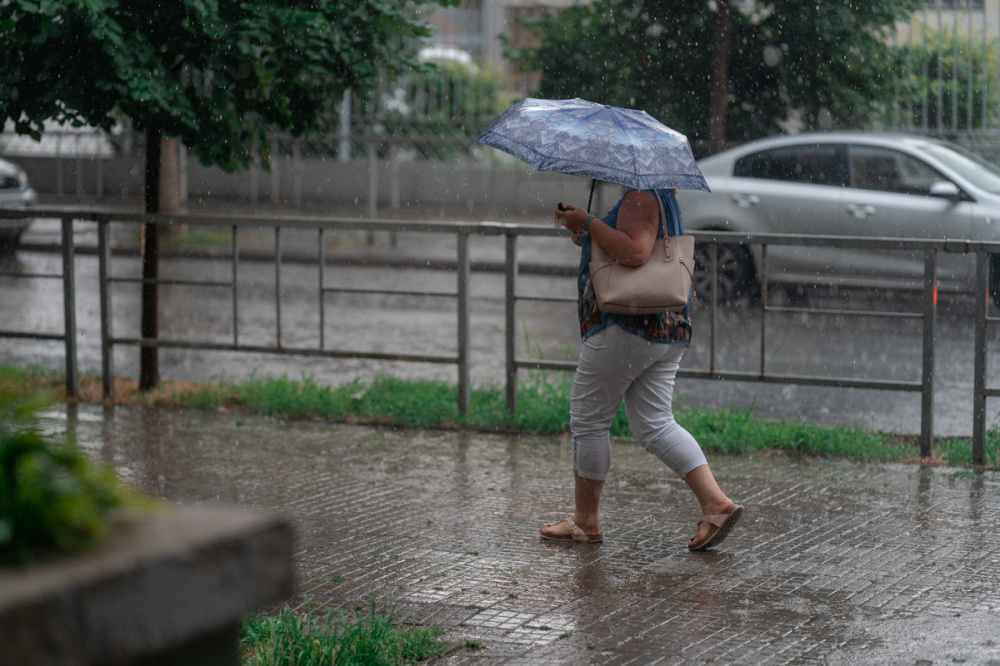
(723, 523)
(576, 534)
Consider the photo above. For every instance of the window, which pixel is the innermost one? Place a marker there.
(887, 170)
(815, 164)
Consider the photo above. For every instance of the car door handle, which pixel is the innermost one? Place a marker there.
(746, 200)
(861, 211)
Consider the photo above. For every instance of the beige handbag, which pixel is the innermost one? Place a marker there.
(661, 284)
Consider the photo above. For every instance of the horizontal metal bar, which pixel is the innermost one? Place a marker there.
(489, 228)
(392, 292)
(49, 276)
(545, 365)
(852, 313)
(838, 382)
(993, 392)
(32, 336)
(953, 246)
(176, 283)
(290, 351)
(547, 299)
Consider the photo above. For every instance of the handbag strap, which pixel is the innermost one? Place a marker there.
(663, 221)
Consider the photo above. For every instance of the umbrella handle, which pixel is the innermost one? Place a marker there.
(593, 182)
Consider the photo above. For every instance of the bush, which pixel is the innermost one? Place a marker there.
(52, 496)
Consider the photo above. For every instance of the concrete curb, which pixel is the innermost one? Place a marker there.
(173, 586)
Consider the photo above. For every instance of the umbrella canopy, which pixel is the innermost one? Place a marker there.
(608, 143)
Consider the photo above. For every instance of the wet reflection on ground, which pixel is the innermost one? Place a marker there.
(835, 562)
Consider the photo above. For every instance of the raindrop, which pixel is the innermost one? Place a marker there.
(772, 56)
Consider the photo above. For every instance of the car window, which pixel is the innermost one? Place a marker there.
(816, 164)
(984, 175)
(8, 182)
(887, 170)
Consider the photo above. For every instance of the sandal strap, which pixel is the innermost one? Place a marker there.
(718, 519)
(575, 531)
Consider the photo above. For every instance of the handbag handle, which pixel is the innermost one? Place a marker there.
(663, 216)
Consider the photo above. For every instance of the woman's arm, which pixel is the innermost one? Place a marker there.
(632, 242)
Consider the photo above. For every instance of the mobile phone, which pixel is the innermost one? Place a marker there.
(561, 207)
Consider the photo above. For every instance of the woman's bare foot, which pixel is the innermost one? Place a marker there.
(709, 533)
(563, 531)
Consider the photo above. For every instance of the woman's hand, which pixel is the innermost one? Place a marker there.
(632, 242)
(573, 218)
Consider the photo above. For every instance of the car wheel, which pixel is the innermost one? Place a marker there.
(737, 276)
(9, 243)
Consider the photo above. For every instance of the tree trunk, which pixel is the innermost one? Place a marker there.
(149, 366)
(720, 76)
(170, 177)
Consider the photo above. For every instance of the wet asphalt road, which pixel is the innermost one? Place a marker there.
(828, 345)
(834, 562)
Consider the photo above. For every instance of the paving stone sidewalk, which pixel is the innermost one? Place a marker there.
(834, 562)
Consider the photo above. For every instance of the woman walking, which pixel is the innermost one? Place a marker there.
(634, 358)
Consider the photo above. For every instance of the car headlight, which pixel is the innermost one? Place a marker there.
(22, 175)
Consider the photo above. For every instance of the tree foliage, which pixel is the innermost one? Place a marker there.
(787, 57)
(438, 101)
(216, 73)
(948, 77)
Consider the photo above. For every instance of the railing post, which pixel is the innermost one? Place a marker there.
(69, 305)
(372, 187)
(979, 365)
(713, 349)
(107, 353)
(277, 286)
(510, 270)
(927, 374)
(463, 321)
(234, 269)
(763, 310)
(275, 172)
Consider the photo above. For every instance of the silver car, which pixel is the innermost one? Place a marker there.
(14, 193)
(858, 184)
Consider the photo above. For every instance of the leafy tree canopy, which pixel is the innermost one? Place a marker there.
(786, 56)
(964, 97)
(216, 73)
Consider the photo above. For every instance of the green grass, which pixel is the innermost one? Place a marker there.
(543, 409)
(290, 639)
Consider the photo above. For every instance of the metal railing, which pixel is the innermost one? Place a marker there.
(67, 276)
(511, 232)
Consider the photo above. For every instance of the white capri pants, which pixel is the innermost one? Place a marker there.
(616, 365)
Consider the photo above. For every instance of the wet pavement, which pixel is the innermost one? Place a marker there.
(835, 562)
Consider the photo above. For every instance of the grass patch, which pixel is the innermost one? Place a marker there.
(543, 409)
(341, 638)
(957, 452)
(740, 432)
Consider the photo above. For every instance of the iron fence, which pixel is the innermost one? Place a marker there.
(511, 233)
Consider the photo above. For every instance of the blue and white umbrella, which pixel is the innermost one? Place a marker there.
(608, 143)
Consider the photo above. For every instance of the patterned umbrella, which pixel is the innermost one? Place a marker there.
(608, 143)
